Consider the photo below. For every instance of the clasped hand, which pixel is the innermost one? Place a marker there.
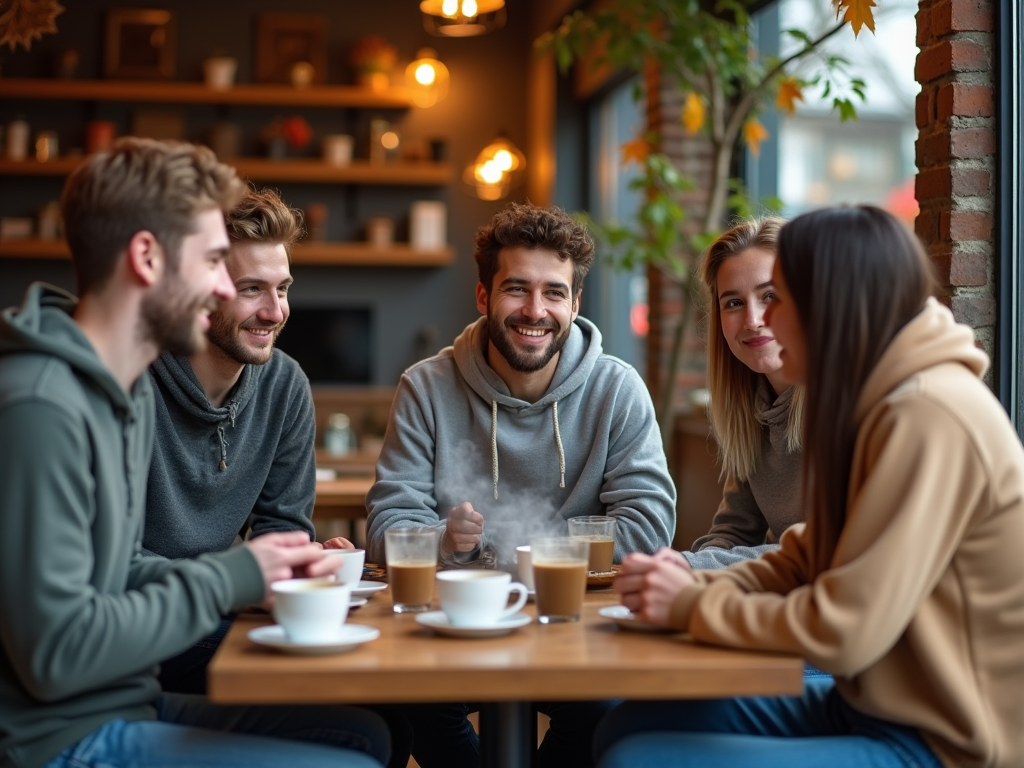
(464, 529)
(287, 556)
(649, 584)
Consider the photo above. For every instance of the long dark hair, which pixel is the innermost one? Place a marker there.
(857, 276)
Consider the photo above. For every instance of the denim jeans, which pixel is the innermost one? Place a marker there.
(444, 738)
(816, 729)
(186, 673)
(191, 731)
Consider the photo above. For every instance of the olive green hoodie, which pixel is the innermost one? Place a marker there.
(83, 618)
(920, 615)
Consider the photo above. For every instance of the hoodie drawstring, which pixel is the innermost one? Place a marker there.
(494, 446)
(232, 413)
(558, 445)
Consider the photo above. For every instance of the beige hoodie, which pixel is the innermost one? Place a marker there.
(921, 615)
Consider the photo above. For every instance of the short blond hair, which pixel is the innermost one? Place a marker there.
(263, 217)
(140, 185)
(731, 384)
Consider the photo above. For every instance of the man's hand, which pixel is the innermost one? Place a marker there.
(649, 584)
(339, 542)
(288, 555)
(464, 529)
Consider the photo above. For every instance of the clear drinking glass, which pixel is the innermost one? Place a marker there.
(599, 530)
(559, 577)
(411, 555)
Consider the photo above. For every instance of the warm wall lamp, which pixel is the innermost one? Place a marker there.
(427, 78)
(462, 18)
(496, 168)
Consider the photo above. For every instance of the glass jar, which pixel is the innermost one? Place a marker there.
(338, 437)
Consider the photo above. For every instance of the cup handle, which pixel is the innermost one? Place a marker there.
(515, 586)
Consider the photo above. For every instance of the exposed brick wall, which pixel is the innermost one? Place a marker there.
(956, 155)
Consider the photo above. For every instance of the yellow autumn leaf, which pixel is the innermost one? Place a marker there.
(754, 133)
(789, 93)
(858, 13)
(693, 113)
(635, 151)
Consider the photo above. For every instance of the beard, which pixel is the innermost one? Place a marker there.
(169, 318)
(228, 338)
(530, 360)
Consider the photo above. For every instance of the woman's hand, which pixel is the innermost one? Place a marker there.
(649, 584)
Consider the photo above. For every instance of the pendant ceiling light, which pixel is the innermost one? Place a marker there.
(427, 78)
(497, 169)
(462, 18)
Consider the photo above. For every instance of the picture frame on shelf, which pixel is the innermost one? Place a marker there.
(140, 44)
(286, 39)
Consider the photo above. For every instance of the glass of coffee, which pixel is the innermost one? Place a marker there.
(411, 555)
(559, 577)
(599, 530)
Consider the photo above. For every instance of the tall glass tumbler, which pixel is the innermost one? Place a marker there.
(559, 577)
(411, 555)
(599, 530)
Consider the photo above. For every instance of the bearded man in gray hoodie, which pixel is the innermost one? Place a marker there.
(523, 423)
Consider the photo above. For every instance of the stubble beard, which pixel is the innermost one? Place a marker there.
(227, 338)
(500, 336)
(169, 318)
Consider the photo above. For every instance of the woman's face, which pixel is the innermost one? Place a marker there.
(784, 322)
(745, 291)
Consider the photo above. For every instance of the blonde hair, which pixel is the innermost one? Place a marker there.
(140, 185)
(732, 385)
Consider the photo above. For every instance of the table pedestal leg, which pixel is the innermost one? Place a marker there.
(508, 734)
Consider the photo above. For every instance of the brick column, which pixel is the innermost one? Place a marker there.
(956, 155)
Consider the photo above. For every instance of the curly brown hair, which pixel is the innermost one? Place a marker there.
(530, 226)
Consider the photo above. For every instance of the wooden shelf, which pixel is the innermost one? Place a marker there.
(345, 254)
(309, 170)
(157, 92)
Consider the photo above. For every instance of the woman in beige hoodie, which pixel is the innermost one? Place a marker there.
(907, 581)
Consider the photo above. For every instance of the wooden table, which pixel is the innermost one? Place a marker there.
(589, 660)
(342, 499)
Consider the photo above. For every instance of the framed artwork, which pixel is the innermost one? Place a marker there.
(286, 39)
(139, 44)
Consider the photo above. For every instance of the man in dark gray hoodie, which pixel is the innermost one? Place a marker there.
(84, 617)
(523, 423)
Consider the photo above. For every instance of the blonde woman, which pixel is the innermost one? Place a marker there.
(755, 415)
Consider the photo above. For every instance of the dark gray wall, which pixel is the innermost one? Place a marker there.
(488, 95)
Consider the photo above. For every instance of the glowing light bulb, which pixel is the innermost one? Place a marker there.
(425, 74)
(504, 159)
(491, 172)
(389, 140)
(469, 8)
(450, 8)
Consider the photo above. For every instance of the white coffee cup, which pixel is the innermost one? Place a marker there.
(476, 598)
(525, 566)
(350, 564)
(311, 610)
(337, 148)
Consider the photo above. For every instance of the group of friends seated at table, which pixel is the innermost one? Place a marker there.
(871, 521)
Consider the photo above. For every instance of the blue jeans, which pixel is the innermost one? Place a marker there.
(444, 738)
(816, 729)
(191, 731)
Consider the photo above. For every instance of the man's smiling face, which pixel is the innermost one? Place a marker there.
(530, 307)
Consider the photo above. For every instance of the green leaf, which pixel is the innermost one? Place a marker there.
(846, 109)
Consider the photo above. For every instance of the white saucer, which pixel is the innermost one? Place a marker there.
(349, 636)
(626, 619)
(356, 602)
(438, 622)
(367, 588)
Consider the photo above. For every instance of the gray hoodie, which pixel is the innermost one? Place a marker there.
(589, 446)
(755, 512)
(84, 618)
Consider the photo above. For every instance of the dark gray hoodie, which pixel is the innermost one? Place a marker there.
(84, 618)
(589, 446)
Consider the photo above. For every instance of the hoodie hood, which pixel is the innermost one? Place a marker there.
(44, 324)
(575, 363)
(932, 338)
(176, 379)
